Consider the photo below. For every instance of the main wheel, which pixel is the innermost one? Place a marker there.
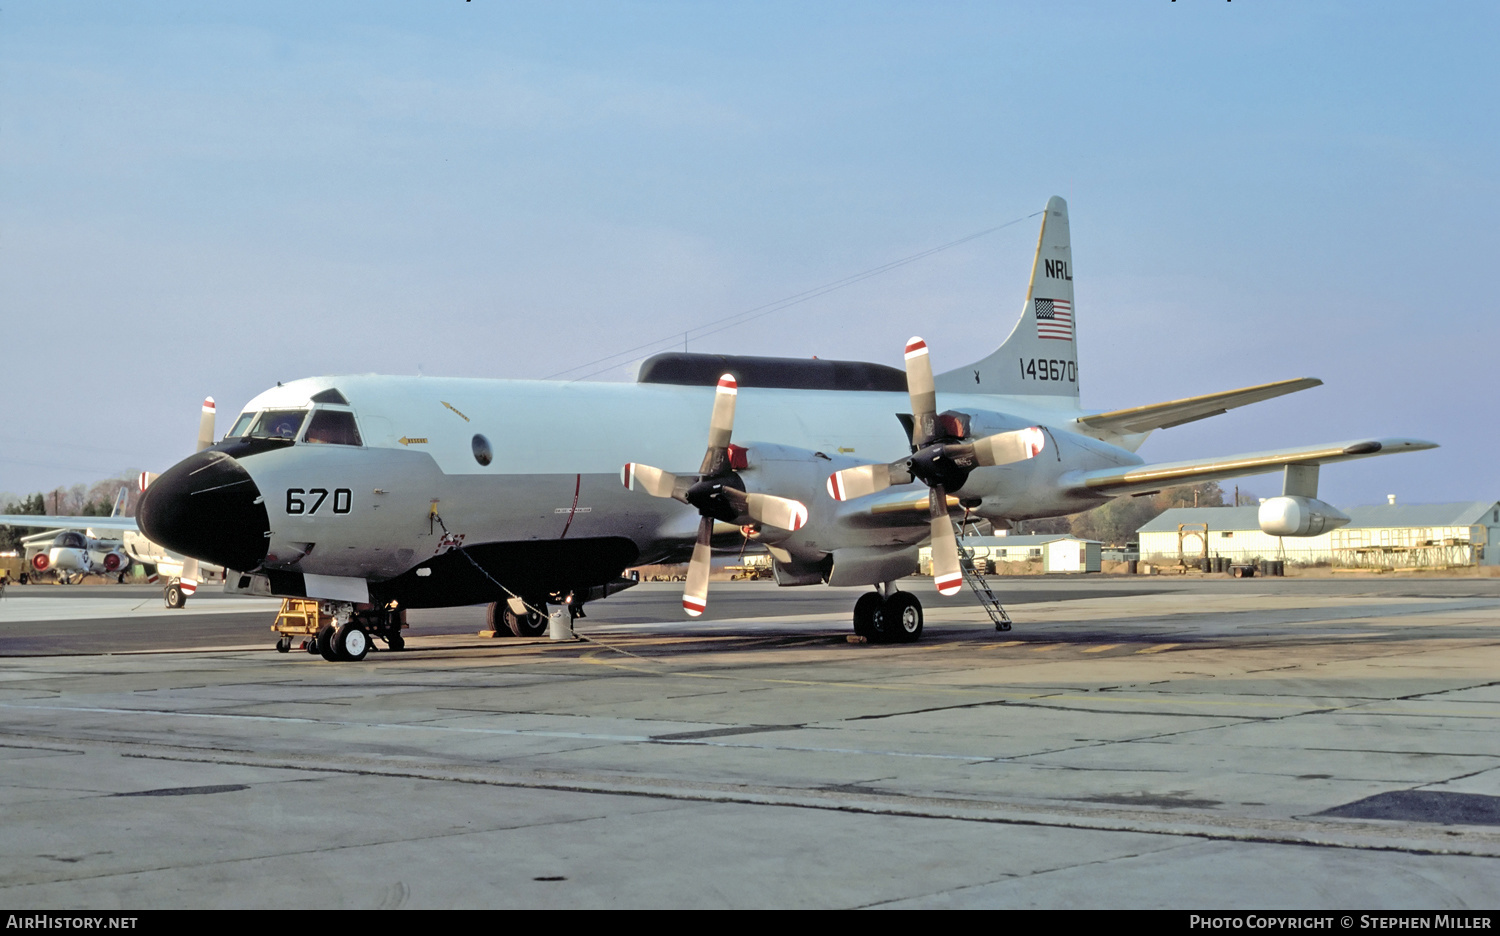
(396, 642)
(324, 643)
(528, 623)
(174, 596)
(865, 610)
(902, 616)
(350, 642)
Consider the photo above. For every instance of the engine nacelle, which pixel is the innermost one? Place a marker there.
(1299, 516)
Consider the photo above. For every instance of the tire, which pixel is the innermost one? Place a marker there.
(528, 623)
(23, 579)
(351, 643)
(396, 642)
(494, 619)
(865, 610)
(881, 630)
(284, 645)
(174, 596)
(902, 617)
(324, 643)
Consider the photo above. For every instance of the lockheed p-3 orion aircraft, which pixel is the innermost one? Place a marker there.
(379, 493)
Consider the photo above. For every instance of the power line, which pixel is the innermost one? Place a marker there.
(750, 315)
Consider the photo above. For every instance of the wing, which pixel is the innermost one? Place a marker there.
(1143, 479)
(69, 523)
(1177, 412)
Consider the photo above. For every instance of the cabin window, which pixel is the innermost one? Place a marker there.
(241, 426)
(278, 424)
(332, 427)
(330, 396)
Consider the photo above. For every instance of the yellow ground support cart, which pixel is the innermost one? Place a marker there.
(320, 633)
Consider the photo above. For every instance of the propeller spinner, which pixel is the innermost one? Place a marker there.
(717, 492)
(940, 460)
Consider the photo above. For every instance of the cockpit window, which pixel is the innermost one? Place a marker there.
(240, 425)
(69, 540)
(332, 427)
(278, 424)
(330, 395)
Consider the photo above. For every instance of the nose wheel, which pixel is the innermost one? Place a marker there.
(895, 617)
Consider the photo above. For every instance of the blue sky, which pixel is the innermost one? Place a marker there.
(204, 200)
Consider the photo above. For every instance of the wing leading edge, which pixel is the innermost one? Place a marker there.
(1176, 412)
(69, 523)
(1144, 479)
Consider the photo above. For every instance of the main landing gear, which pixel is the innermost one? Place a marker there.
(517, 618)
(888, 616)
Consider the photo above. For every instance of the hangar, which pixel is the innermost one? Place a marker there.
(1383, 536)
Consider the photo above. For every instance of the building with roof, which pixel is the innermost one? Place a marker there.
(1059, 552)
(1383, 536)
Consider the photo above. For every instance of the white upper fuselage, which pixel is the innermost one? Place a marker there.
(553, 441)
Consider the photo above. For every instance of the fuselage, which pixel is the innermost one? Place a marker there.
(374, 477)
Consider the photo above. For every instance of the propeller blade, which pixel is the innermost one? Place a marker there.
(1007, 448)
(188, 580)
(695, 594)
(653, 481)
(923, 393)
(720, 428)
(780, 512)
(947, 575)
(861, 480)
(206, 425)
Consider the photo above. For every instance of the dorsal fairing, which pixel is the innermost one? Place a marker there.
(1040, 357)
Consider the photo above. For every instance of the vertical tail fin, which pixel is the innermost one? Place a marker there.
(1040, 358)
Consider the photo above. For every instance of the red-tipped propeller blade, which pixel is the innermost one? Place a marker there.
(695, 593)
(919, 386)
(947, 575)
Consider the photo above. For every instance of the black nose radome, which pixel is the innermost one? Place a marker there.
(207, 507)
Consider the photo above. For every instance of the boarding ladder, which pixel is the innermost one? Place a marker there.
(981, 588)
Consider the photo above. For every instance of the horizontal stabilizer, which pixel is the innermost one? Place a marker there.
(1177, 412)
(1146, 478)
(69, 523)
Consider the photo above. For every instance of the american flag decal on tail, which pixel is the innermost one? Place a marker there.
(1054, 319)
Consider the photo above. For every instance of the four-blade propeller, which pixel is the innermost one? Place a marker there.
(717, 492)
(941, 459)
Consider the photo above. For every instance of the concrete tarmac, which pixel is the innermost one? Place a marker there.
(1164, 742)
